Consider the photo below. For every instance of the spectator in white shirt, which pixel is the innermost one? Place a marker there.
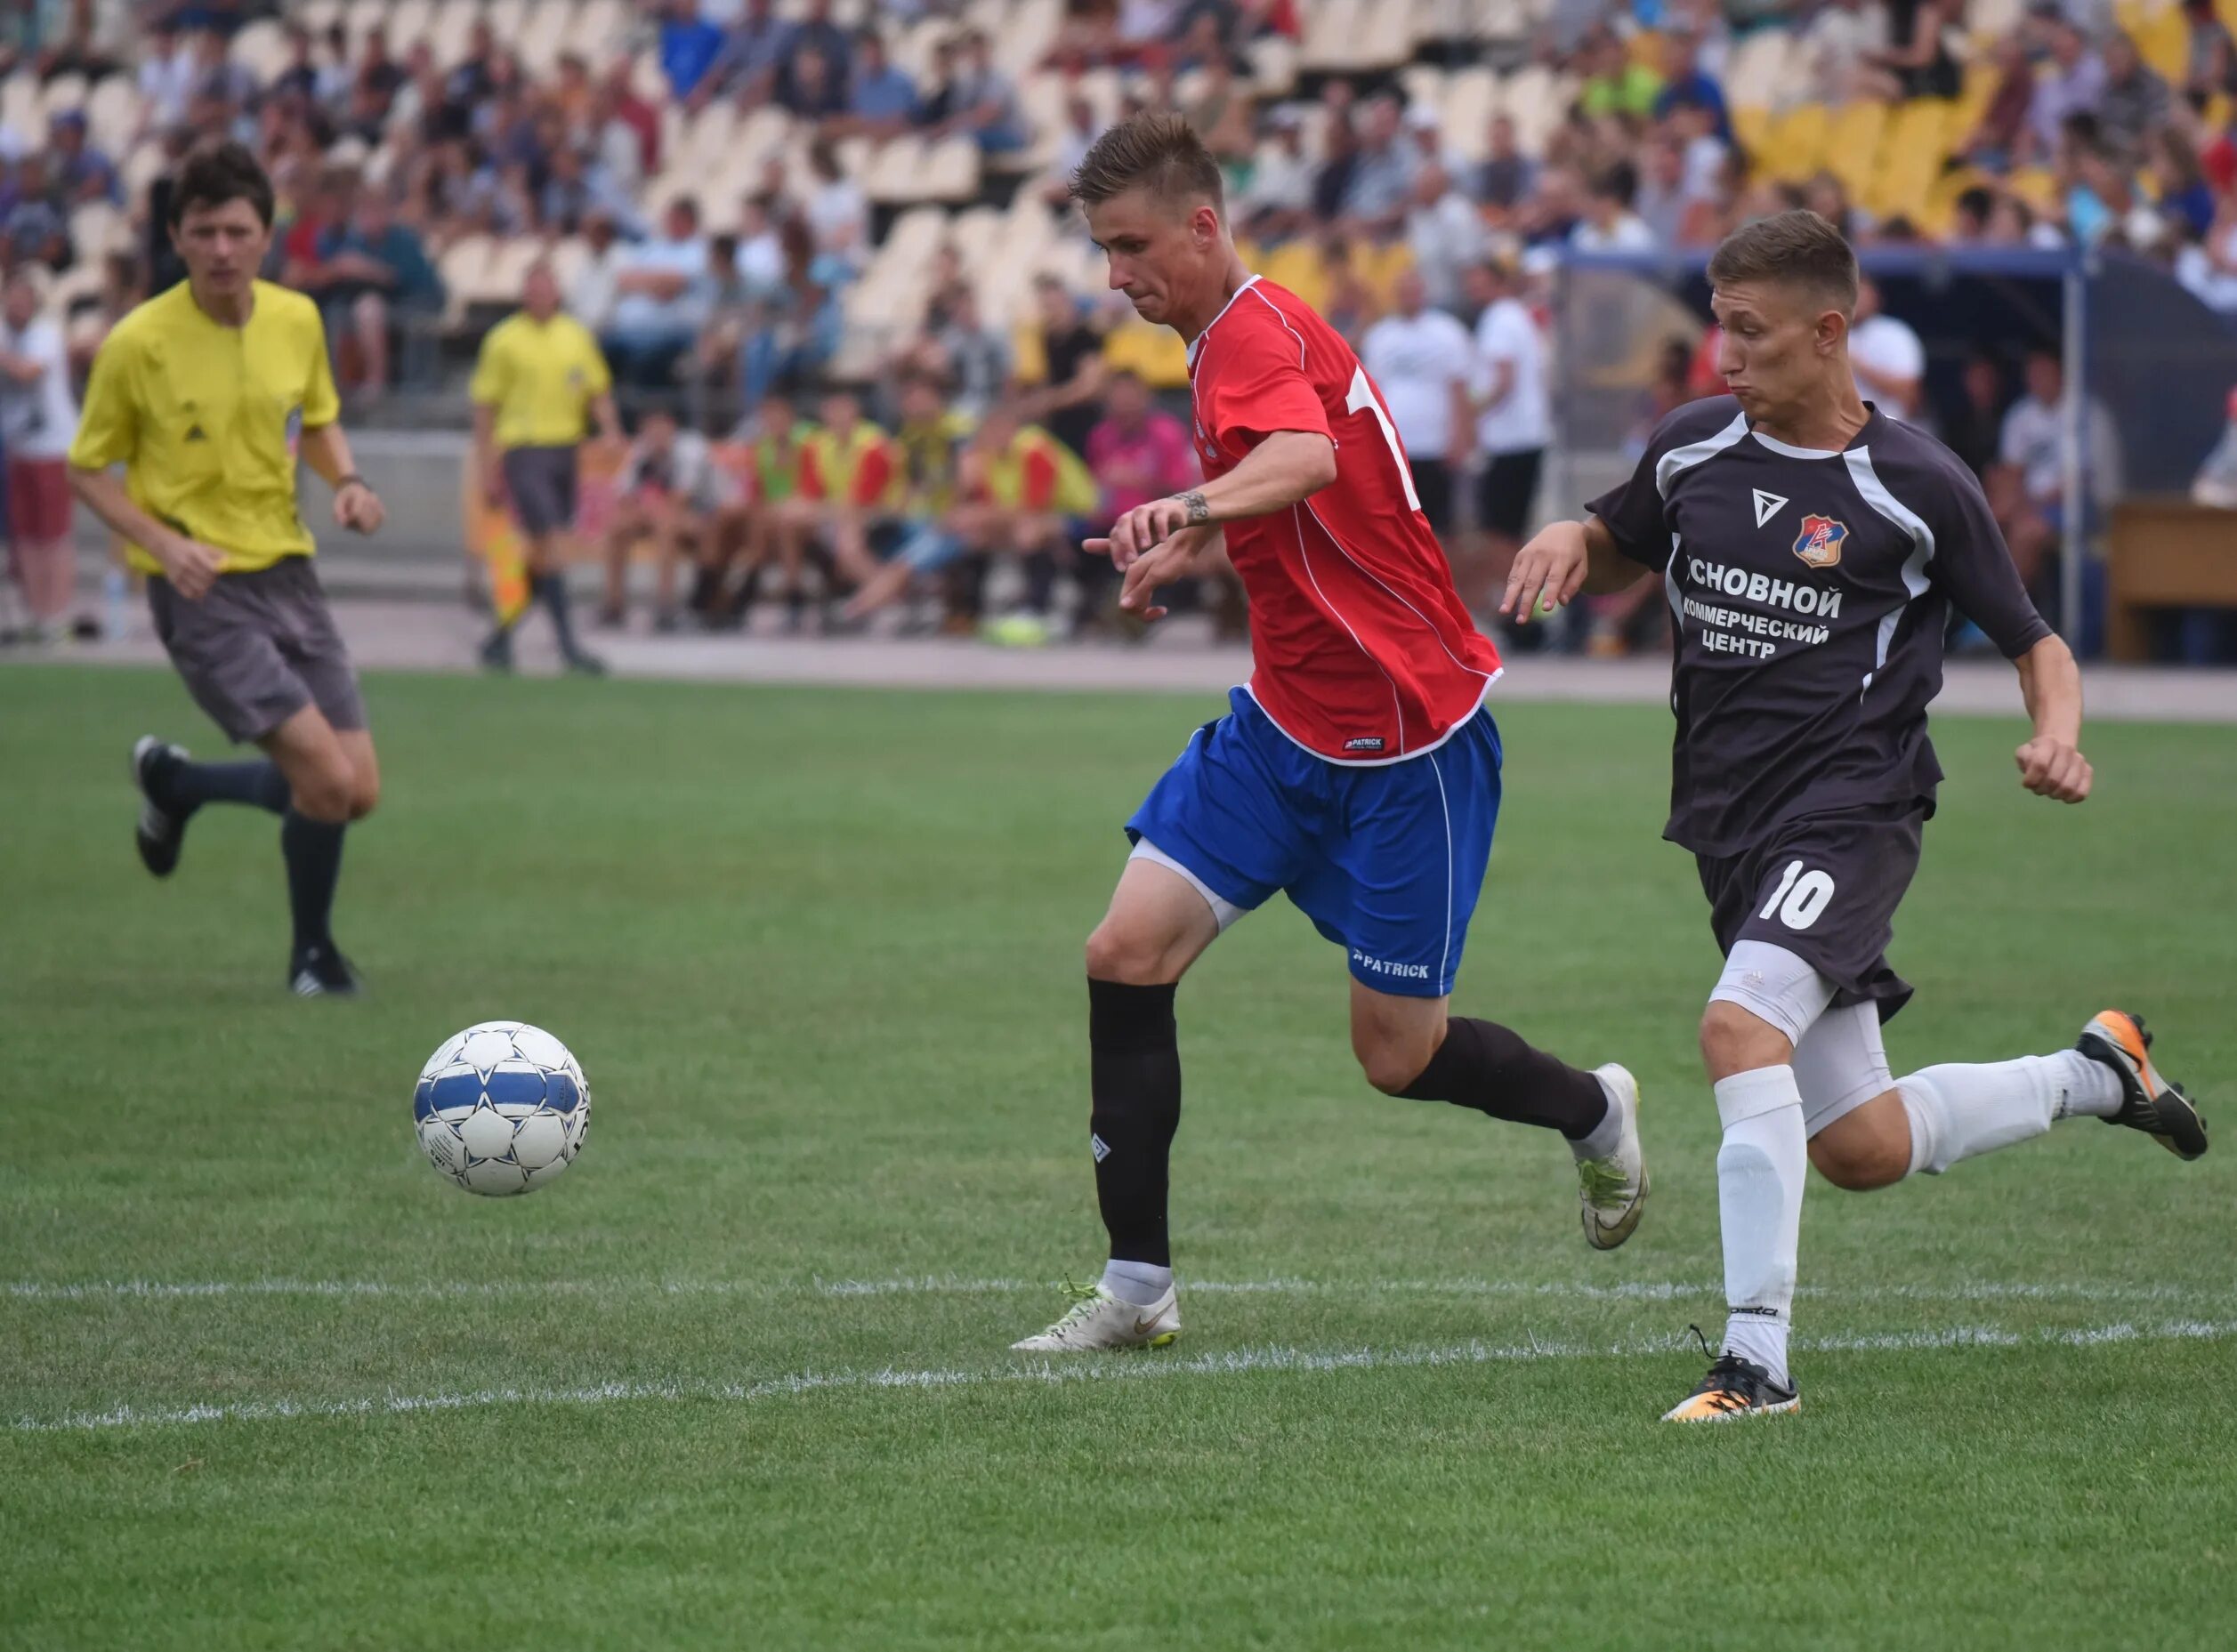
(38, 421)
(1420, 360)
(1889, 360)
(664, 296)
(1079, 133)
(838, 212)
(1445, 232)
(166, 79)
(1278, 202)
(2027, 487)
(1514, 415)
(1608, 224)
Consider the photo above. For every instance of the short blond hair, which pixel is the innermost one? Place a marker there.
(1155, 151)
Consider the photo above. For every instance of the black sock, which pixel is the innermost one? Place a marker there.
(1484, 1065)
(1134, 1075)
(1040, 582)
(313, 850)
(186, 786)
(707, 589)
(551, 591)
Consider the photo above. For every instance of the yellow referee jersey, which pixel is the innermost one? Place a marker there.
(541, 376)
(204, 418)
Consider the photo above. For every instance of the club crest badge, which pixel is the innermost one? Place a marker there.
(1819, 543)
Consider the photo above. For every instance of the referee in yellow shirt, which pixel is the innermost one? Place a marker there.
(539, 378)
(200, 393)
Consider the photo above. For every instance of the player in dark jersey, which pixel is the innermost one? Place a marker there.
(1812, 548)
(1359, 772)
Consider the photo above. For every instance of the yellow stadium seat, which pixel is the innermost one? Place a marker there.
(1296, 265)
(2163, 40)
(1752, 126)
(1851, 143)
(1157, 355)
(1911, 153)
(1797, 140)
(2038, 186)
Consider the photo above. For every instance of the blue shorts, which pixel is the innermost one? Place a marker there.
(1386, 859)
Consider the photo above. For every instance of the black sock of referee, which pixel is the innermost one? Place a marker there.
(186, 786)
(313, 850)
(1134, 1077)
(1487, 1067)
(551, 591)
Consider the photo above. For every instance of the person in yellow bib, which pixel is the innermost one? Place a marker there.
(539, 379)
(1039, 498)
(204, 394)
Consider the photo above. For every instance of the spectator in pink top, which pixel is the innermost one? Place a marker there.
(1136, 453)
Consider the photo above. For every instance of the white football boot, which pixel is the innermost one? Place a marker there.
(1097, 1321)
(1612, 1192)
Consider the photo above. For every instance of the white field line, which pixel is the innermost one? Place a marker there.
(1139, 1369)
(949, 1285)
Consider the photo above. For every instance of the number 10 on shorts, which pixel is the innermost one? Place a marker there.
(1800, 898)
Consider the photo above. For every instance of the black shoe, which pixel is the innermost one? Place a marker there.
(1734, 1388)
(161, 833)
(2150, 1102)
(667, 623)
(612, 619)
(322, 972)
(496, 653)
(582, 664)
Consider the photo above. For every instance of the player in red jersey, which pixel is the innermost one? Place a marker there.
(1358, 772)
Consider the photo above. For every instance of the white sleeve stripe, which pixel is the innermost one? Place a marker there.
(1922, 539)
(1669, 464)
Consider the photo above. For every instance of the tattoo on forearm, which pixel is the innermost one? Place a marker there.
(1198, 512)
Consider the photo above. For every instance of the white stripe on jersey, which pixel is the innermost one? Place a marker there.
(1922, 539)
(1678, 459)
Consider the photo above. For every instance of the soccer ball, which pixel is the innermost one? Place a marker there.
(502, 1108)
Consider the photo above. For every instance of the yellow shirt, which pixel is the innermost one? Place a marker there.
(541, 377)
(204, 419)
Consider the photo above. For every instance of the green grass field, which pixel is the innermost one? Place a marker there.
(740, 1378)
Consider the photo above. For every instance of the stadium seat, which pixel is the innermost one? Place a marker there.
(20, 96)
(508, 20)
(951, 170)
(1472, 96)
(1755, 74)
(112, 112)
(601, 32)
(261, 47)
(63, 94)
(97, 229)
(408, 21)
(359, 18)
(462, 266)
(1910, 158)
(1851, 143)
(1156, 354)
(2163, 39)
(1032, 30)
(1274, 65)
(316, 15)
(140, 168)
(447, 31)
(1385, 36)
(543, 36)
(1798, 142)
(1331, 31)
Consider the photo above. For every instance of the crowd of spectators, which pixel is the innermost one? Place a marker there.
(387, 159)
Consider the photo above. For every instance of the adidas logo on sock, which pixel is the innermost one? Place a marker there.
(1099, 1147)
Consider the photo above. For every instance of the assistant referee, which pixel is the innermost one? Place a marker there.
(540, 379)
(204, 394)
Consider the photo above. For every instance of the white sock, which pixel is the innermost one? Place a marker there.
(1960, 1112)
(1759, 1182)
(1142, 1283)
(1607, 1135)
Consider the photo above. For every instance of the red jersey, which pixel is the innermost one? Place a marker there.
(1362, 650)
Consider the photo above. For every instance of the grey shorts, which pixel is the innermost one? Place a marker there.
(540, 481)
(258, 649)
